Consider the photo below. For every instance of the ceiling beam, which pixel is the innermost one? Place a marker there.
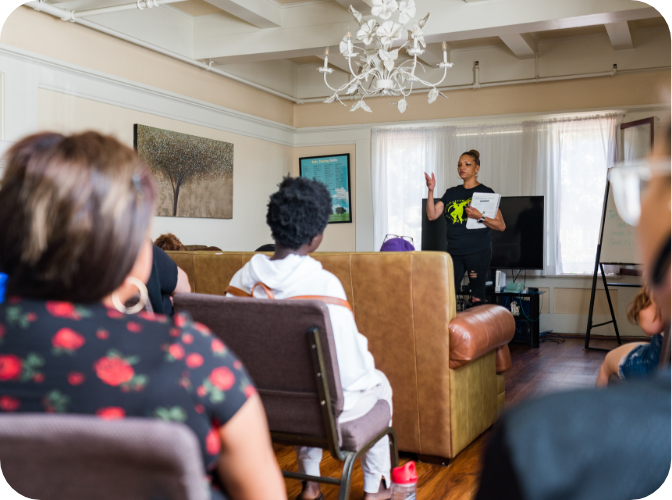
(523, 46)
(360, 5)
(305, 37)
(260, 13)
(619, 34)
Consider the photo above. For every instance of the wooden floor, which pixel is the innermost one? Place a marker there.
(552, 367)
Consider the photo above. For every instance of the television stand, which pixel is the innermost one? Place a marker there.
(529, 324)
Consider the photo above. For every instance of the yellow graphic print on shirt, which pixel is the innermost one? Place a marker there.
(456, 210)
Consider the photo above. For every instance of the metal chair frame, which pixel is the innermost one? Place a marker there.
(331, 441)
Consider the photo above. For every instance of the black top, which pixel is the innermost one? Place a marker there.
(59, 357)
(162, 282)
(463, 241)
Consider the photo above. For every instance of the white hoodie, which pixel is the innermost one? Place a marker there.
(294, 276)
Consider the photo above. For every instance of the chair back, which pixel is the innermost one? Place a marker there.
(78, 457)
(271, 338)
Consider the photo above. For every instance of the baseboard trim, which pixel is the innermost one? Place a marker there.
(602, 337)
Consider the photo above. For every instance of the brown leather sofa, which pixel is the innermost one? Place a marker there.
(445, 368)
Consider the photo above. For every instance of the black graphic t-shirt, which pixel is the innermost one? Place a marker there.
(463, 241)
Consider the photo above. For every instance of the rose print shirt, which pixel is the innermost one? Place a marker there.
(58, 357)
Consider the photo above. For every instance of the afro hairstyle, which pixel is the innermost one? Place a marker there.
(298, 212)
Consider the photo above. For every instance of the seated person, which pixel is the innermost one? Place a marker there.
(269, 247)
(75, 212)
(169, 243)
(165, 280)
(297, 215)
(636, 359)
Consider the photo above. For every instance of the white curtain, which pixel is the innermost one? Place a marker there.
(563, 160)
(501, 155)
(576, 154)
(400, 159)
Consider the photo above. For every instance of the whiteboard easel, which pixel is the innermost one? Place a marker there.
(619, 248)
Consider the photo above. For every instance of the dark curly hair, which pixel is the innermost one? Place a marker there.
(298, 212)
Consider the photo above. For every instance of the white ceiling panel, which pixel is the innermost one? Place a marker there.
(259, 13)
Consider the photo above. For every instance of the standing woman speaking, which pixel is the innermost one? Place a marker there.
(470, 249)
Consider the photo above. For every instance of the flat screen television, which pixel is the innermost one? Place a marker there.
(520, 246)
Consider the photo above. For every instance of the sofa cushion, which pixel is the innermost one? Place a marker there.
(356, 433)
(479, 330)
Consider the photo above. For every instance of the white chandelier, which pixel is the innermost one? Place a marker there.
(373, 69)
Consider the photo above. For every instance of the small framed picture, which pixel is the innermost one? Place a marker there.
(334, 172)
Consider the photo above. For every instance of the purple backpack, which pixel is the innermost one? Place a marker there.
(394, 243)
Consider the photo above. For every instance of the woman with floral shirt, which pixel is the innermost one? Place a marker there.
(75, 213)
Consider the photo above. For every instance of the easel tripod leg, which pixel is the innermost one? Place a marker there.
(611, 307)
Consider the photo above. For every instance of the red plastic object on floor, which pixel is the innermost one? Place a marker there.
(405, 474)
(404, 482)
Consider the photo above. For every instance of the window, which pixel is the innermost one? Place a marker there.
(401, 157)
(566, 161)
(581, 151)
(583, 174)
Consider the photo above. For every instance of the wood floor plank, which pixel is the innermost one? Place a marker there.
(534, 372)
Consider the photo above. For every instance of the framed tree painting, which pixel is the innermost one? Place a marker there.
(334, 172)
(194, 174)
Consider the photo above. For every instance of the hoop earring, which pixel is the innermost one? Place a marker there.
(144, 296)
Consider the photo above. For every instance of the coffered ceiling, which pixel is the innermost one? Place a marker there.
(237, 32)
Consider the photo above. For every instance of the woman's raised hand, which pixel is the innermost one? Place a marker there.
(431, 182)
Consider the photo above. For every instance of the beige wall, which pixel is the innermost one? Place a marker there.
(44, 34)
(547, 97)
(337, 237)
(577, 301)
(258, 168)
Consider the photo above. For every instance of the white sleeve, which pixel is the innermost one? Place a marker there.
(236, 281)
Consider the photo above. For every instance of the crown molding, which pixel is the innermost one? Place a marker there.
(109, 89)
(70, 79)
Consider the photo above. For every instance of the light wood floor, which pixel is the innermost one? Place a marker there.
(552, 367)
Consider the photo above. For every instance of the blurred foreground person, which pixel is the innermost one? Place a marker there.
(75, 213)
(611, 444)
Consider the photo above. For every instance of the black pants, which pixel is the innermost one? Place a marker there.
(476, 265)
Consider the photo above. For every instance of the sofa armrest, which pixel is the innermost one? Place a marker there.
(479, 330)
